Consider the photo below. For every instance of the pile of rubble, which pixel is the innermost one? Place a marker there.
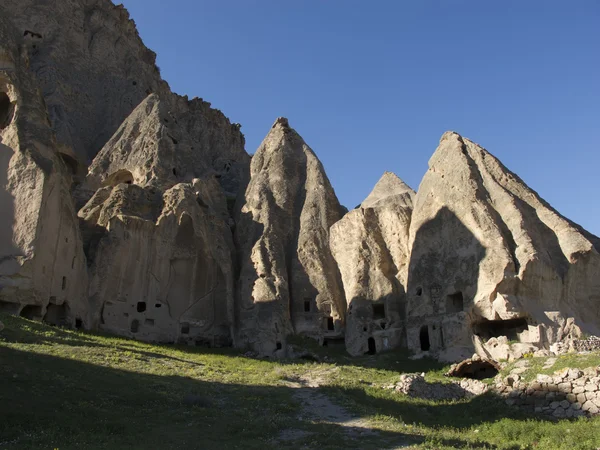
(414, 385)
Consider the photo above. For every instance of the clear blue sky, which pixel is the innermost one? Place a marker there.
(372, 85)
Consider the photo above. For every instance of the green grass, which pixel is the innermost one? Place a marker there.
(72, 390)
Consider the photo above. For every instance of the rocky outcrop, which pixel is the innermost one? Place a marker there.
(168, 257)
(91, 67)
(289, 282)
(370, 245)
(167, 140)
(42, 265)
(491, 260)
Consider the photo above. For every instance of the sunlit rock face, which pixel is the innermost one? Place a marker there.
(370, 245)
(42, 265)
(491, 262)
(289, 282)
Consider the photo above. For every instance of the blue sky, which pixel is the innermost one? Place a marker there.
(372, 85)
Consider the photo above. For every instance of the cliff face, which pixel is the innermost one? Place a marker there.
(42, 265)
(289, 282)
(181, 236)
(90, 64)
(370, 245)
(491, 261)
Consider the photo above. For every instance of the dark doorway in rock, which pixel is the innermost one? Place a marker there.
(185, 328)
(419, 291)
(371, 346)
(479, 369)
(6, 110)
(135, 325)
(487, 329)
(278, 345)
(330, 324)
(64, 283)
(9, 307)
(70, 162)
(378, 311)
(307, 305)
(141, 306)
(455, 303)
(56, 315)
(424, 338)
(31, 312)
(78, 324)
(118, 177)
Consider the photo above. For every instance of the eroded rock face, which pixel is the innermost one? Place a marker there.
(491, 259)
(167, 140)
(161, 263)
(42, 265)
(90, 64)
(289, 283)
(370, 245)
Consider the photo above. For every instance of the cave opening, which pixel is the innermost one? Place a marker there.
(487, 329)
(141, 307)
(424, 338)
(378, 311)
(455, 302)
(330, 324)
(6, 110)
(372, 348)
(31, 312)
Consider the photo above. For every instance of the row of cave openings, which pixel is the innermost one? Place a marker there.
(56, 315)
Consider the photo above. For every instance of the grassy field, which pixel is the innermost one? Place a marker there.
(62, 389)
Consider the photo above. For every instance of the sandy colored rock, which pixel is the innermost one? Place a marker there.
(167, 140)
(490, 258)
(370, 245)
(289, 283)
(161, 263)
(42, 266)
(90, 64)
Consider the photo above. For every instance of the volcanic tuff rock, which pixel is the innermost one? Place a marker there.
(174, 241)
(289, 282)
(370, 245)
(161, 263)
(490, 259)
(42, 265)
(90, 64)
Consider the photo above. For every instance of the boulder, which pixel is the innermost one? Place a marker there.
(289, 282)
(370, 245)
(490, 258)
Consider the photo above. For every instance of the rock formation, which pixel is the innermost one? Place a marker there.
(289, 282)
(370, 245)
(91, 67)
(42, 265)
(159, 225)
(491, 262)
(180, 236)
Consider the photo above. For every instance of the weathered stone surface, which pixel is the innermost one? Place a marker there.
(90, 65)
(168, 257)
(490, 258)
(42, 266)
(167, 140)
(289, 282)
(370, 245)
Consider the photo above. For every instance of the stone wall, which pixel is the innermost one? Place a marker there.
(567, 393)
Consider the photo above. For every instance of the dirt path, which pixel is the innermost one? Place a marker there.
(317, 406)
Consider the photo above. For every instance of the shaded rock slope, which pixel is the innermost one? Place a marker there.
(370, 245)
(289, 282)
(130, 209)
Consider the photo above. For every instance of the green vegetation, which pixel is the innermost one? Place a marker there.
(72, 390)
